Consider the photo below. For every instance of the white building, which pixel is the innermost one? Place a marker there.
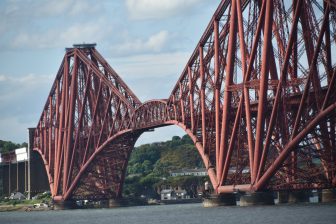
(168, 194)
(189, 172)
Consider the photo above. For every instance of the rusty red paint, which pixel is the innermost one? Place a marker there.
(253, 129)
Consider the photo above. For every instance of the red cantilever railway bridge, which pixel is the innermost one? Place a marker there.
(257, 97)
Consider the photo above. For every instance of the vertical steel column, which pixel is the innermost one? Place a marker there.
(247, 77)
(217, 92)
(45, 144)
(61, 125)
(202, 77)
(283, 77)
(70, 115)
(30, 146)
(25, 175)
(50, 132)
(263, 87)
(17, 175)
(228, 81)
(191, 98)
(174, 107)
(328, 43)
(57, 111)
(9, 177)
(182, 104)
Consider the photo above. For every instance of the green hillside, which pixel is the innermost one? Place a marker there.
(160, 158)
(150, 165)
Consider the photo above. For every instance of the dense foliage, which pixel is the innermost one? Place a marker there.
(7, 146)
(160, 158)
(150, 165)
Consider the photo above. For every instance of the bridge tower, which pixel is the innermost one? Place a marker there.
(84, 135)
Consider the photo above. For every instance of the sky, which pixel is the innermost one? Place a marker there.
(147, 42)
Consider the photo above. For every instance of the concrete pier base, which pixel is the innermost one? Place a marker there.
(283, 197)
(257, 198)
(64, 205)
(219, 200)
(298, 196)
(328, 195)
(114, 203)
(102, 203)
(110, 203)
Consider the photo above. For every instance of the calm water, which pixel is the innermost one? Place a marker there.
(186, 213)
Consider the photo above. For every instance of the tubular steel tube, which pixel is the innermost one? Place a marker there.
(229, 84)
(217, 92)
(263, 88)
(227, 93)
(276, 164)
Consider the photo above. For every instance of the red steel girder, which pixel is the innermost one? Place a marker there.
(253, 129)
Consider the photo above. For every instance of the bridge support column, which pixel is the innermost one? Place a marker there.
(111, 203)
(298, 196)
(257, 198)
(293, 196)
(328, 195)
(64, 205)
(219, 200)
(114, 203)
(283, 197)
(102, 203)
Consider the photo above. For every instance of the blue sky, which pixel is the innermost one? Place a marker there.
(148, 43)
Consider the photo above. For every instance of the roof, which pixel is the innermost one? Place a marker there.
(165, 191)
(181, 191)
(189, 170)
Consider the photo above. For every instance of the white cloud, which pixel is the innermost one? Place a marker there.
(13, 87)
(53, 7)
(21, 103)
(67, 7)
(84, 7)
(157, 9)
(154, 43)
(150, 76)
(3, 78)
(50, 8)
(157, 41)
(13, 129)
(33, 21)
(77, 33)
(150, 65)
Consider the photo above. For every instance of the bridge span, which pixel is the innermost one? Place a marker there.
(258, 94)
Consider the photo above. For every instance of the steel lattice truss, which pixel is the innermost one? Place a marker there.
(258, 98)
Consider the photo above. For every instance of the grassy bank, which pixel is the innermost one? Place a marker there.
(15, 205)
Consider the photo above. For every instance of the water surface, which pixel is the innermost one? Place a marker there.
(183, 213)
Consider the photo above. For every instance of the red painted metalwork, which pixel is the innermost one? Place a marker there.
(88, 109)
(257, 97)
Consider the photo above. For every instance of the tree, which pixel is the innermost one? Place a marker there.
(152, 162)
(176, 141)
(7, 146)
(187, 140)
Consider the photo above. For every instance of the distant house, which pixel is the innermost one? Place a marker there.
(181, 194)
(189, 172)
(168, 194)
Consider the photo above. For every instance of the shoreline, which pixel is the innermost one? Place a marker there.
(129, 203)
